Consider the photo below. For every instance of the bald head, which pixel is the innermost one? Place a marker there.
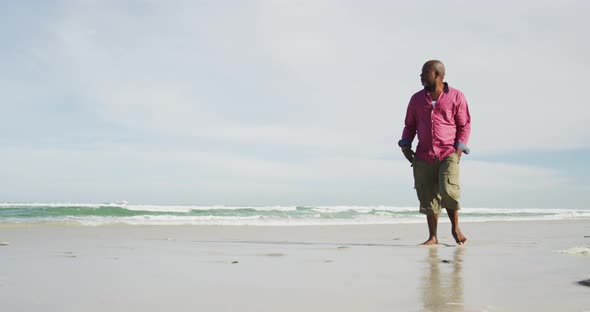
(433, 73)
(436, 66)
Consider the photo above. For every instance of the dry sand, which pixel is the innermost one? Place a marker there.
(506, 266)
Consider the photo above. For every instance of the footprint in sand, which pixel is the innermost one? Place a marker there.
(68, 254)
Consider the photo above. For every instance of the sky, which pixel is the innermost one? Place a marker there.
(286, 102)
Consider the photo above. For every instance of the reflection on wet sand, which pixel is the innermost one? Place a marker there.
(442, 283)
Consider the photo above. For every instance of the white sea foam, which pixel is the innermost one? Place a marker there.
(260, 215)
(580, 250)
(187, 208)
(243, 221)
(319, 208)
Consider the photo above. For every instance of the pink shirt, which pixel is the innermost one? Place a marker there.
(441, 129)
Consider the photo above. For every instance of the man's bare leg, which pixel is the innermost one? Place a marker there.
(454, 217)
(432, 224)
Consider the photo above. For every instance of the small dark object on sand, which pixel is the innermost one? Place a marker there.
(447, 261)
(234, 262)
(586, 236)
(585, 282)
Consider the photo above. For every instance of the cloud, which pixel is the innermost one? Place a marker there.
(144, 174)
(311, 73)
(322, 82)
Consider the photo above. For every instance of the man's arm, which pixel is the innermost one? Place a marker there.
(463, 124)
(408, 133)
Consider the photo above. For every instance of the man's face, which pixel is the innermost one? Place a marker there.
(428, 77)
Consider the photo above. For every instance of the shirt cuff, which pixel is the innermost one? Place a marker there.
(462, 147)
(404, 143)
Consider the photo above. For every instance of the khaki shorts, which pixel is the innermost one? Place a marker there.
(437, 184)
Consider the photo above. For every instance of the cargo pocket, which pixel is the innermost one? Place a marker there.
(453, 188)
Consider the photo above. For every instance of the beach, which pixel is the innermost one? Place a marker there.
(506, 266)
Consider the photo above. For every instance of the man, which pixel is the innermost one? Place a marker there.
(440, 116)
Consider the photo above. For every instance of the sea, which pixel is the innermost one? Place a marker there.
(89, 214)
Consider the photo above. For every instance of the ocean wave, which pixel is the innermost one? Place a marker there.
(109, 213)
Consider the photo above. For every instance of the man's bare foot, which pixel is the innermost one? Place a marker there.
(459, 237)
(431, 241)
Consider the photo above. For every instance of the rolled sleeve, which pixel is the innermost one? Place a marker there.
(409, 131)
(463, 124)
(463, 147)
(404, 143)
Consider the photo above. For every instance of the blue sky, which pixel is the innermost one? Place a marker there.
(285, 102)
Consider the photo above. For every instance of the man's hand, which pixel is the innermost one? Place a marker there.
(459, 152)
(408, 153)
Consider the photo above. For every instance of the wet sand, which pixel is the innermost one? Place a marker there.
(506, 266)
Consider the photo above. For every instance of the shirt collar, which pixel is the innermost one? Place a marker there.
(445, 91)
(445, 88)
